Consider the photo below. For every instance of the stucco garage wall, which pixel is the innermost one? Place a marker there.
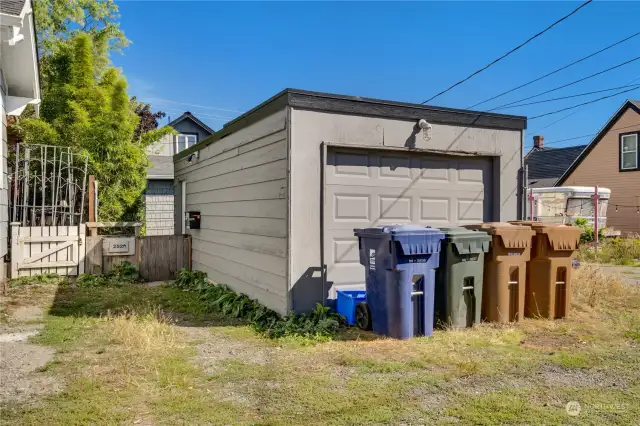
(239, 185)
(309, 129)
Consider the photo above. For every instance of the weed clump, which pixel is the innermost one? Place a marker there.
(121, 274)
(43, 279)
(319, 324)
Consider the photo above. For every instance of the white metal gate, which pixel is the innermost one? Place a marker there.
(47, 249)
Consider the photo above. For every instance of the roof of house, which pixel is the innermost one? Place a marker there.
(541, 183)
(161, 167)
(356, 105)
(194, 119)
(545, 163)
(12, 7)
(635, 105)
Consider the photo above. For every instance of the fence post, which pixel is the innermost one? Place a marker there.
(531, 204)
(595, 197)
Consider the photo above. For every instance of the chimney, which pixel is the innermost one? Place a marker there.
(538, 142)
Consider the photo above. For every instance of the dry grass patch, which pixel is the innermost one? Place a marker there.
(146, 333)
(138, 366)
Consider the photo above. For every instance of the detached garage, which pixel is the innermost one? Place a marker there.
(281, 188)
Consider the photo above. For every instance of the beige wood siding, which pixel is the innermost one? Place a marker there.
(239, 185)
(602, 167)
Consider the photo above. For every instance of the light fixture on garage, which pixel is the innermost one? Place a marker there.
(192, 155)
(426, 129)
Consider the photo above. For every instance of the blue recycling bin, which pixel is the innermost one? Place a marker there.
(400, 263)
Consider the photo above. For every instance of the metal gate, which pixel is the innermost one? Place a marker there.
(47, 249)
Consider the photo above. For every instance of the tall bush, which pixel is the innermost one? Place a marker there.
(95, 116)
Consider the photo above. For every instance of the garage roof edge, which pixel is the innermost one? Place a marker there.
(355, 105)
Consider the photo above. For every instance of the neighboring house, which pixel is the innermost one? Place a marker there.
(160, 187)
(546, 165)
(19, 86)
(281, 188)
(612, 160)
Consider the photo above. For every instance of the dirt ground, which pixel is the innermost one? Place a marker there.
(155, 356)
(20, 362)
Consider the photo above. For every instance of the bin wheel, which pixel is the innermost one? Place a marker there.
(363, 316)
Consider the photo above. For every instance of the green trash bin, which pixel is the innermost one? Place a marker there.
(458, 292)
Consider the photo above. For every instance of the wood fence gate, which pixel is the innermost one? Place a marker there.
(158, 257)
(39, 250)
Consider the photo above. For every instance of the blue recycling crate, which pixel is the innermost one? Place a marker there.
(347, 301)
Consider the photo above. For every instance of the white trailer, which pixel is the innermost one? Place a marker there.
(564, 204)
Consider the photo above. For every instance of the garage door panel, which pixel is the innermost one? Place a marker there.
(395, 167)
(350, 207)
(370, 189)
(345, 250)
(351, 165)
(470, 211)
(434, 209)
(394, 208)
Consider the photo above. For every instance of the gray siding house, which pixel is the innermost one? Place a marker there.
(19, 86)
(160, 187)
(281, 188)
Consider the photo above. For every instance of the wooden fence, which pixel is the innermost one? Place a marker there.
(157, 257)
(39, 250)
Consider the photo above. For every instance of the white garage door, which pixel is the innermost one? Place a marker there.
(366, 188)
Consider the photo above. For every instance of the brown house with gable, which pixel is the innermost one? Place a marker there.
(612, 160)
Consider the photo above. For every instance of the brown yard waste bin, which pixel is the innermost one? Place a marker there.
(548, 293)
(505, 267)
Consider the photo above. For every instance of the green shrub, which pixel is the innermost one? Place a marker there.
(38, 279)
(615, 251)
(588, 234)
(120, 274)
(320, 323)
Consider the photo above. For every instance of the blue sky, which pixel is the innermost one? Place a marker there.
(225, 58)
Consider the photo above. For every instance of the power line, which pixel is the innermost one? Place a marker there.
(511, 51)
(197, 113)
(579, 105)
(557, 70)
(583, 136)
(635, 86)
(573, 113)
(160, 100)
(566, 85)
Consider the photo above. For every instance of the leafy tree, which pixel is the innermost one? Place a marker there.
(94, 115)
(58, 21)
(148, 119)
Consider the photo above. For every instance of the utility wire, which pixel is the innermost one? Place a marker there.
(567, 85)
(167, 101)
(635, 86)
(584, 103)
(582, 136)
(573, 113)
(511, 51)
(557, 70)
(199, 114)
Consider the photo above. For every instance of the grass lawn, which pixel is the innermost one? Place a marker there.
(155, 356)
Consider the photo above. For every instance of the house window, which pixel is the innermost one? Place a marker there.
(184, 141)
(629, 152)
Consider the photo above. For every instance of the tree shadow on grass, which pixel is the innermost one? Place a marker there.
(180, 307)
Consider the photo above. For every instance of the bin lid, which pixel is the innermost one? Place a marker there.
(467, 241)
(561, 237)
(414, 239)
(512, 236)
(397, 230)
